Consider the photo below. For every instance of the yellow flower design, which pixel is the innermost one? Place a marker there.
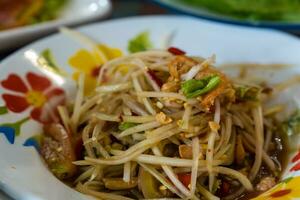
(89, 63)
(286, 190)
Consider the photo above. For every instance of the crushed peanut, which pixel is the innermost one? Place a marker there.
(183, 135)
(199, 98)
(162, 187)
(159, 105)
(188, 135)
(185, 105)
(59, 149)
(163, 118)
(213, 126)
(178, 101)
(201, 156)
(197, 128)
(179, 122)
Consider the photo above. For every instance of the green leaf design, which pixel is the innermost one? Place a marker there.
(3, 110)
(47, 61)
(17, 125)
(141, 42)
(287, 179)
(47, 54)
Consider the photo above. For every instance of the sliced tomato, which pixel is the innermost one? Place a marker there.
(185, 179)
(225, 188)
(154, 77)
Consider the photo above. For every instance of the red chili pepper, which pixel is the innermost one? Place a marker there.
(185, 179)
(280, 193)
(78, 147)
(154, 77)
(224, 189)
(176, 51)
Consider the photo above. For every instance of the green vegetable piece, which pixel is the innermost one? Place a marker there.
(216, 185)
(50, 10)
(247, 93)
(126, 125)
(194, 88)
(193, 84)
(3, 110)
(61, 170)
(140, 43)
(292, 125)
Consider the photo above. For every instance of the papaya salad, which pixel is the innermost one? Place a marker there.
(170, 126)
(17, 13)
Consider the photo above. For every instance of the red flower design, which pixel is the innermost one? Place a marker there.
(296, 157)
(281, 193)
(295, 167)
(36, 93)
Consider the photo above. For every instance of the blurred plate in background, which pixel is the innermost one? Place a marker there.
(74, 13)
(180, 7)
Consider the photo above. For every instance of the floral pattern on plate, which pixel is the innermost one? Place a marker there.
(288, 189)
(35, 93)
(89, 63)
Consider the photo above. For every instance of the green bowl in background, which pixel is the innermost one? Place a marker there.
(278, 14)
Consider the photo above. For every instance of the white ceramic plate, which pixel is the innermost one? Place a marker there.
(24, 175)
(76, 12)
